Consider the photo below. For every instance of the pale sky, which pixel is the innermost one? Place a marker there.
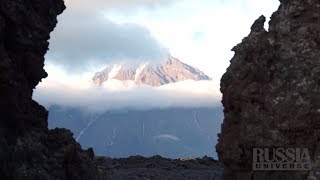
(200, 33)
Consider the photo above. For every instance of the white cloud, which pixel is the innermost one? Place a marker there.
(223, 24)
(72, 91)
(116, 95)
(167, 136)
(104, 31)
(85, 37)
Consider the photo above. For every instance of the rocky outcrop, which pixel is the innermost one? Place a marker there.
(271, 92)
(168, 71)
(28, 150)
(157, 167)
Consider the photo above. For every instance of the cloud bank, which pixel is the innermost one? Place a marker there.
(119, 95)
(85, 37)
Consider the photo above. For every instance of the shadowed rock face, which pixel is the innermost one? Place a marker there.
(28, 150)
(271, 91)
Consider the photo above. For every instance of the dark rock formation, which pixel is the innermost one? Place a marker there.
(28, 150)
(271, 92)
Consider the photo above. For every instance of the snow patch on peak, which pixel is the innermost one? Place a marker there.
(139, 71)
(114, 71)
(168, 71)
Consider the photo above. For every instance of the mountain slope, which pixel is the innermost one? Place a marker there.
(169, 71)
(165, 132)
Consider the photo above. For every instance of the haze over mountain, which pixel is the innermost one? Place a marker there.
(170, 132)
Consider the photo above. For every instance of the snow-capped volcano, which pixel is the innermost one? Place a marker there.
(168, 71)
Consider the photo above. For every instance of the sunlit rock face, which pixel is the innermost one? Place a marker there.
(271, 92)
(28, 150)
(168, 71)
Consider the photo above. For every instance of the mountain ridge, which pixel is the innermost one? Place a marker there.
(168, 71)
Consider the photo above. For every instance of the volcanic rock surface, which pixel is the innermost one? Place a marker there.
(157, 167)
(271, 92)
